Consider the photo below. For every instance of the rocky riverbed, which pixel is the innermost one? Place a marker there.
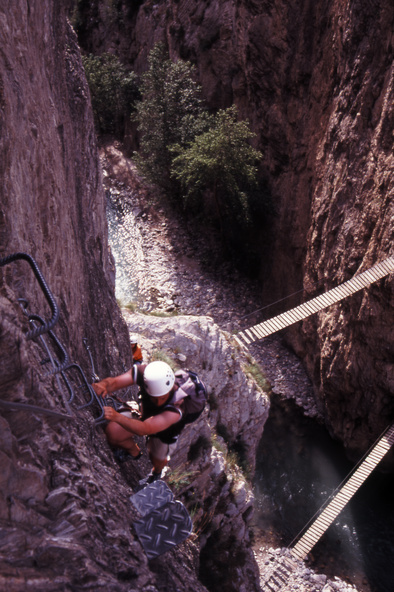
(170, 269)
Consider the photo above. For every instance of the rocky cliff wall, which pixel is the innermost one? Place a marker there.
(204, 472)
(315, 79)
(66, 521)
(52, 203)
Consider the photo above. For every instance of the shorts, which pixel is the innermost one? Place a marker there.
(159, 449)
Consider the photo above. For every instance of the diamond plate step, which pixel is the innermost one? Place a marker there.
(164, 528)
(151, 497)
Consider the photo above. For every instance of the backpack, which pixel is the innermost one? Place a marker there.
(196, 391)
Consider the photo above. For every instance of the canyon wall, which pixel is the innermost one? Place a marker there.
(52, 202)
(66, 519)
(315, 80)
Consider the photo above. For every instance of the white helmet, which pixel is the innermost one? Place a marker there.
(158, 379)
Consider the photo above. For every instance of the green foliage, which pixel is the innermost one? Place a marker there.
(162, 313)
(234, 456)
(204, 161)
(162, 356)
(254, 370)
(218, 444)
(220, 160)
(180, 478)
(114, 92)
(130, 306)
(218, 173)
(169, 113)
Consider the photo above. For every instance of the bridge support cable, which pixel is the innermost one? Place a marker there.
(357, 283)
(338, 501)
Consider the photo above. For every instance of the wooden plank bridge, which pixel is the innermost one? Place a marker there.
(281, 572)
(301, 312)
(345, 493)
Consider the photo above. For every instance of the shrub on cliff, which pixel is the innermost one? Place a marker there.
(203, 162)
(113, 90)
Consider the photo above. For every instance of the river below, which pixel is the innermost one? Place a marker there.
(298, 467)
(298, 464)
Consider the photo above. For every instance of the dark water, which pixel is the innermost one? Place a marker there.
(298, 467)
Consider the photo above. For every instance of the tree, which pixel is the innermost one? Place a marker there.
(205, 161)
(169, 113)
(218, 172)
(113, 90)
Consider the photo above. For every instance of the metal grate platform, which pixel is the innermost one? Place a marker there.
(151, 497)
(165, 522)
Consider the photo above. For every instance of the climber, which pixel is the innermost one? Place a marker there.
(135, 349)
(160, 414)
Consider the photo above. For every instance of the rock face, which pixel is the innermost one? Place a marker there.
(66, 518)
(66, 522)
(315, 80)
(52, 203)
(204, 473)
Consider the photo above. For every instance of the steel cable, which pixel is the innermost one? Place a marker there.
(44, 287)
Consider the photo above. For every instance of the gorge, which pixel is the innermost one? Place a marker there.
(316, 82)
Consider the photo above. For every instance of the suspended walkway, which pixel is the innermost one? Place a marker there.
(168, 516)
(343, 494)
(305, 310)
(282, 570)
